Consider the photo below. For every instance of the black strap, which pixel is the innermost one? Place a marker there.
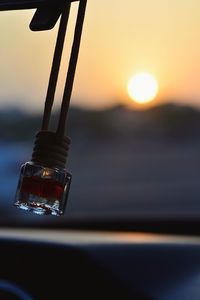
(71, 68)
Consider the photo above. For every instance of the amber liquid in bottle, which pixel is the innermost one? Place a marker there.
(47, 188)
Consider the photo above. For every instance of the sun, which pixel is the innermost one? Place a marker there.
(142, 88)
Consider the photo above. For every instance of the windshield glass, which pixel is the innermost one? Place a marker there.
(134, 120)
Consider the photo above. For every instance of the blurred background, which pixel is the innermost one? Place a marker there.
(134, 120)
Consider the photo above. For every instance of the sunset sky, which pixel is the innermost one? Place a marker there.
(120, 38)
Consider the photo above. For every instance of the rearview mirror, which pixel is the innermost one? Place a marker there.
(47, 13)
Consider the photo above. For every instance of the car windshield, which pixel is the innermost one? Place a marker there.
(134, 119)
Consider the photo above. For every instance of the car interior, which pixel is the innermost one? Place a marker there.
(131, 226)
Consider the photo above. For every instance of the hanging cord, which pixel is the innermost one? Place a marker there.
(55, 67)
(72, 68)
(51, 148)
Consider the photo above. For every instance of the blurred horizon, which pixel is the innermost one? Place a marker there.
(125, 163)
(132, 106)
(166, 120)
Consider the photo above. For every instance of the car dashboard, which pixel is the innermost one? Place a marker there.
(64, 264)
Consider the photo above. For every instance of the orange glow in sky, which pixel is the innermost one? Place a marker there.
(120, 38)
